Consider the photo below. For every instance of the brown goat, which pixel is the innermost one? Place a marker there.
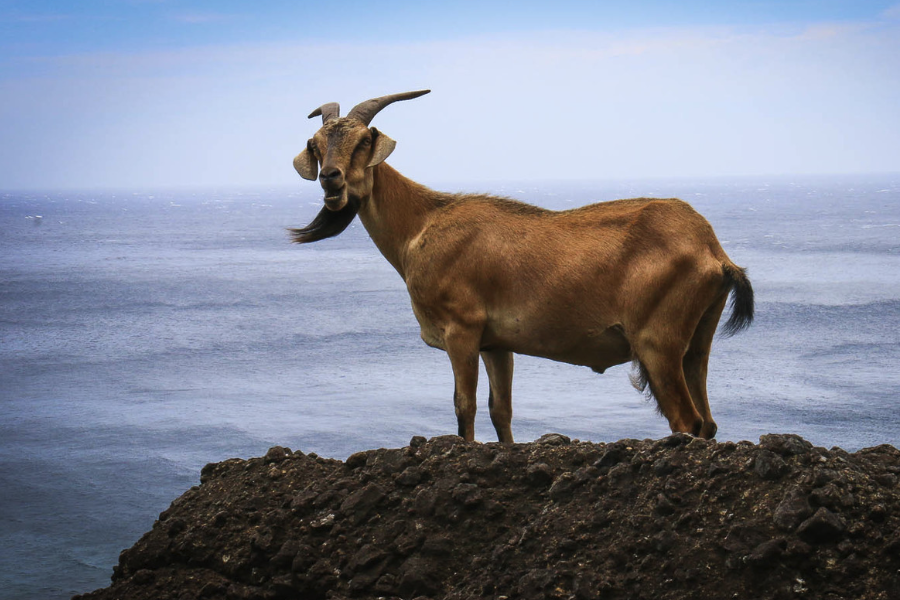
(641, 280)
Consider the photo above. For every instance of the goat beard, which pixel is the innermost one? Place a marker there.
(328, 223)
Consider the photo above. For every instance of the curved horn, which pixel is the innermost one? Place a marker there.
(365, 111)
(329, 111)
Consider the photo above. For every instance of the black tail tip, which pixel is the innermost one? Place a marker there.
(742, 304)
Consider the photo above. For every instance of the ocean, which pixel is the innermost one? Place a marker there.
(144, 334)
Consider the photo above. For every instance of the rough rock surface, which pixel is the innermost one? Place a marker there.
(673, 518)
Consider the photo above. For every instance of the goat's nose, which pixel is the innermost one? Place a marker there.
(330, 174)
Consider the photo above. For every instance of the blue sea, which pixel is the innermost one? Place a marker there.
(144, 334)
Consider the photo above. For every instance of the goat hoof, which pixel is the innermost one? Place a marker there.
(709, 429)
(697, 428)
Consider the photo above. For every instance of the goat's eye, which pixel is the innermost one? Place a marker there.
(365, 143)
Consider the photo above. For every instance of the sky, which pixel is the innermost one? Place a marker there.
(162, 93)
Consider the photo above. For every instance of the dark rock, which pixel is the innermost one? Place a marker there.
(386, 584)
(328, 499)
(663, 467)
(563, 487)
(362, 581)
(539, 474)
(832, 497)
(176, 526)
(321, 576)
(797, 549)
(675, 440)
(219, 519)
(717, 468)
(620, 474)
(285, 555)
(614, 454)
(211, 590)
(418, 576)
(823, 526)
(553, 439)
(785, 444)
(425, 501)
(442, 444)
(411, 476)
(303, 500)
(821, 477)
(208, 472)
(567, 545)
(277, 454)
(281, 586)
(388, 461)
(449, 519)
(768, 553)
(664, 506)
(888, 480)
(408, 542)
(439, 545)
(357, 460)
(892, 547)
(665, 541)
(467, 494)
(792, 510)
(144, 576)
(741, 539)
(359, 503)
(262, 541)
(586, 474)
(769, 465)
(367, 555)
(303, 559)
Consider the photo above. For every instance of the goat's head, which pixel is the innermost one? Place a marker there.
(344, 150)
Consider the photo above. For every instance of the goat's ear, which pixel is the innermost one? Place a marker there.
(307, 165)
(383, 148)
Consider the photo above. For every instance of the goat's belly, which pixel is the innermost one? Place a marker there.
(597, 349)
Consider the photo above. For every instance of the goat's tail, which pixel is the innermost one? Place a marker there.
(741, 299)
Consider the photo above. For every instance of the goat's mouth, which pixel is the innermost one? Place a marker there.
(336, 200)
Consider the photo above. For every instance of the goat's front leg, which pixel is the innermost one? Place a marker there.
(499, 365)
(462, 347)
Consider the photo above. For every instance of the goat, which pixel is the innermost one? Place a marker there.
(642, 280)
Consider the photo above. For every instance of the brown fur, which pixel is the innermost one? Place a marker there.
(641, 280)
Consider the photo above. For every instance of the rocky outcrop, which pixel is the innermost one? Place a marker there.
(674, 518)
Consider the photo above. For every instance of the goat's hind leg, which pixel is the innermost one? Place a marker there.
(663, 368)
(499, 366)
(696, 362)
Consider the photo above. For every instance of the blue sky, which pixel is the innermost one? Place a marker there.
(143, 93)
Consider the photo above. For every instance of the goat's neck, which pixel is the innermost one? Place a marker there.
(395, 213)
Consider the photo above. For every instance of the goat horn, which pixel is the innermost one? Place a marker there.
(329, 111)
(366, 111)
